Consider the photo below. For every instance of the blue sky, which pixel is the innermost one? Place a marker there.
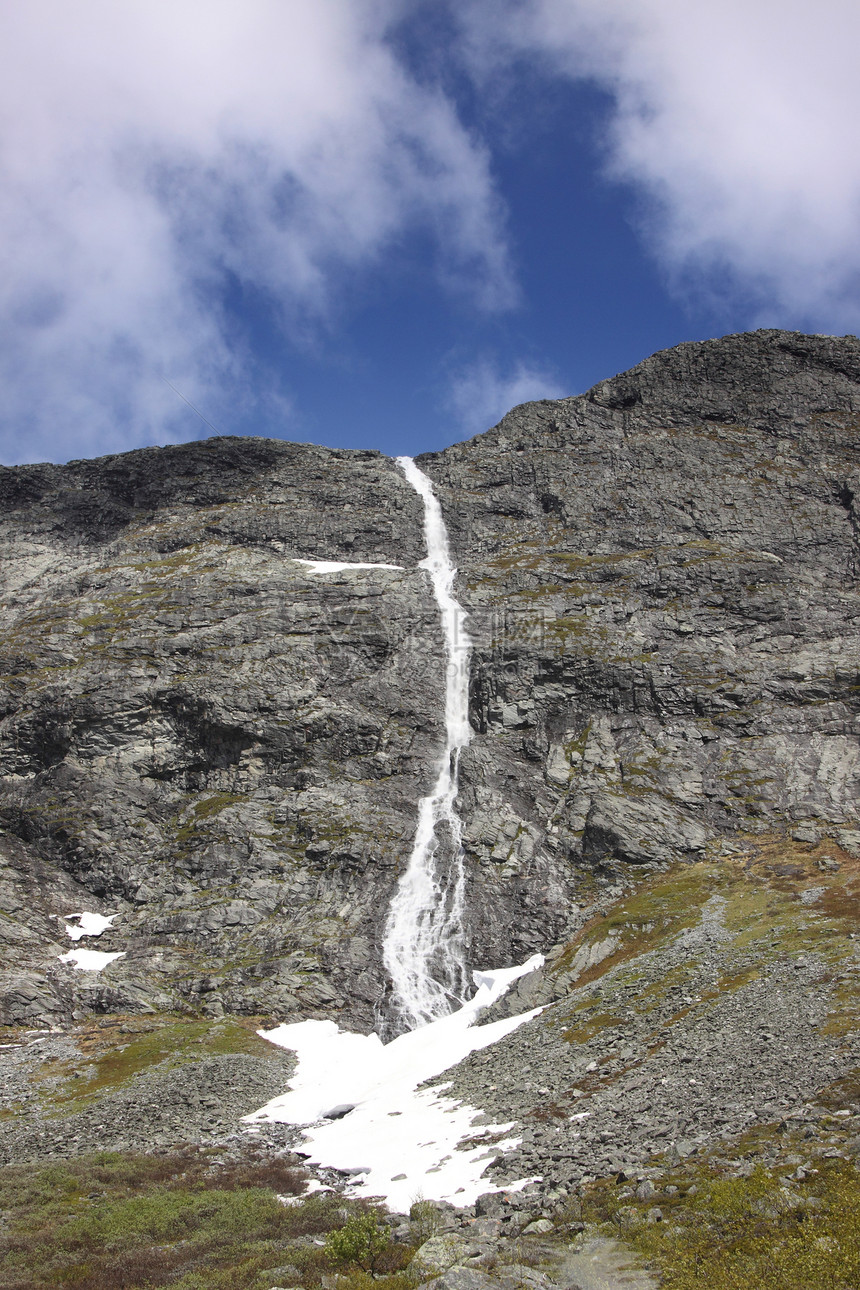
(381, 223)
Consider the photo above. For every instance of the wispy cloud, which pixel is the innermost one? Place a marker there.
(737, 123)
(481, 393)
(158, 155)
(153, 153)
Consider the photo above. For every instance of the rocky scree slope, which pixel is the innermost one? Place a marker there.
(700, 1026)
(228, 749)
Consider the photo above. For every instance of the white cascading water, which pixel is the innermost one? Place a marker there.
(423, 941)
(350, 1086)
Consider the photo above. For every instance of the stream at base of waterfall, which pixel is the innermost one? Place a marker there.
(360, 1097)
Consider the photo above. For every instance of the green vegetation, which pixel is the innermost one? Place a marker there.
(198, 823)
(762, 909)
(776, 1209)
(214, 805)
(732, 1233)
(124, 1047)
(657, 911)
(120, 1221)
(361, 1242)
(425, 1219)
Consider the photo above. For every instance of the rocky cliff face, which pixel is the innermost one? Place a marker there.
(206, 735)
(664, 572)
(227, 747)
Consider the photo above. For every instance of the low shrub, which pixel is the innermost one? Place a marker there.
(361, 1241)
(120, 1221)
(732, 1233)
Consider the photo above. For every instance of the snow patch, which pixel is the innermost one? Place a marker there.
(90, 960)
(88, 924)
(337, 566)
(402, 1140)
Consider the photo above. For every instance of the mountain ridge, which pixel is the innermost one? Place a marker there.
(591, 534)
(223, 745)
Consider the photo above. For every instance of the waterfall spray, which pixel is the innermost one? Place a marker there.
(423, 940)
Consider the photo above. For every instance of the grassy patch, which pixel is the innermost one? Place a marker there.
(763, 910)
(790, 868)
(778, 901)
(600, 1021)
(208, 806)
(198, 823)
(658, 910)
(124, 1047)
(701, 1227)
(119, 1221)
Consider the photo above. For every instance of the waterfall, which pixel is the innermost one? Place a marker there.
(350, 1086)
(423, 940)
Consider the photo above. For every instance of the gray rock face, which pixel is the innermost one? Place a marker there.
(206, 735)
(663, 580)
(226, 747)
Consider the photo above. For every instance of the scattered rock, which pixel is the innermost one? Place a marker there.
(438, 1255)
(538, 1227)
(457, 1278)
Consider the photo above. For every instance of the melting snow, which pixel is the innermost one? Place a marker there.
(337, 566)
(90, 960)
(89, 924)
(401, 1140)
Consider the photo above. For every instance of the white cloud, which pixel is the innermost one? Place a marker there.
(155, 150)
(480, 394)
(150, 150)
(737, 119)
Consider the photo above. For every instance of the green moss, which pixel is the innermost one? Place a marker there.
(594, 1025)
(572, 559)
(197, 822)
(761, 910)
(657, 911)
(209, 806)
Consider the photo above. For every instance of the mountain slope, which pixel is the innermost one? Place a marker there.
(227, 747)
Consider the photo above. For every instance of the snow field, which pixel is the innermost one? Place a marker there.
(90, 960)
(365, 1113)
(337, 566)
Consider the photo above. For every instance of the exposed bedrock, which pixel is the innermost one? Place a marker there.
(228, 748)
(662, 575)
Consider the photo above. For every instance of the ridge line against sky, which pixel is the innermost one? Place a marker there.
(381, 223)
